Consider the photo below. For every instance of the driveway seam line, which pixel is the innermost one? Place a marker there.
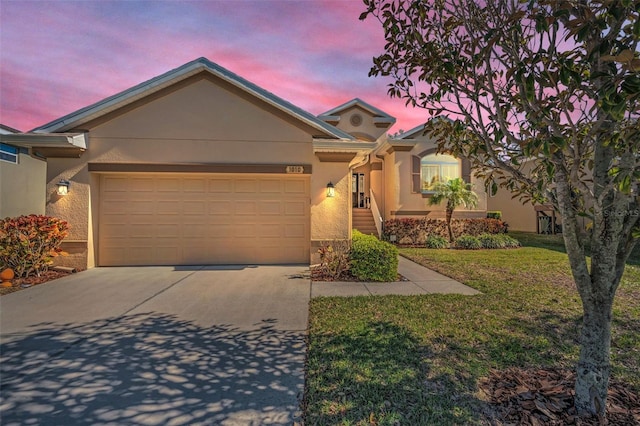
(161, 291)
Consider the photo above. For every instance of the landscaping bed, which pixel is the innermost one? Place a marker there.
(22, 283)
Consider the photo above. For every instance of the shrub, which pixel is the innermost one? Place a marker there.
(491, 241)
(334, 258)
(414, 231)
(494, 215)
(468, 242)
(28, 244)
(372, 259)
(436, 242)
(509, 242)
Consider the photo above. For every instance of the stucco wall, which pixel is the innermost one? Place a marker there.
(330, 216)
(366, 130)
(401, 201)
(199, 122)
(519, 216)
(22, 187)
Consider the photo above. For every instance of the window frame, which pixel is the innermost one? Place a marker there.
(9, 153)
(451, 162)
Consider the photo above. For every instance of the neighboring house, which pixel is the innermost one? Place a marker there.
(200, 166)
(523, 216)
(22, 179)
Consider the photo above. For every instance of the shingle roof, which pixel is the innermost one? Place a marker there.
(169, 78)
(4, 129)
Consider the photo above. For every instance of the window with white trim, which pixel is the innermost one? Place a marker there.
(9, 153)
(437, 168)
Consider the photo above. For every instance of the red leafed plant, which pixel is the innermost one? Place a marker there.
(28, 244)
(415, 231)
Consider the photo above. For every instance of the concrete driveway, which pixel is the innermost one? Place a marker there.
(156, 346)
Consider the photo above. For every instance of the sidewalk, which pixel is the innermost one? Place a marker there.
(420, 280)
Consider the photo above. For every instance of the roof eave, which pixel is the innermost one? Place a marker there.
(128, 96)
(69, 145)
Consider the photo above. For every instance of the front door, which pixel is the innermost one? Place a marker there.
(357, 190)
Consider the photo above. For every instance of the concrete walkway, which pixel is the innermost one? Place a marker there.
(420, 280)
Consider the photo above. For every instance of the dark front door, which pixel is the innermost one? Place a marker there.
(357, 190)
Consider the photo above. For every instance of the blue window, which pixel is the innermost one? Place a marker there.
(9, 153)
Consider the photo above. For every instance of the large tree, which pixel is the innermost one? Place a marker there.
(543, 97)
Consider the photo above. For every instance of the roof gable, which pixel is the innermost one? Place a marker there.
(375, 112)
(126, 97)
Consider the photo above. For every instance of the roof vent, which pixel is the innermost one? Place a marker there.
(355, 120)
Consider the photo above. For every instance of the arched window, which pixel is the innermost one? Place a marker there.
(435, 168)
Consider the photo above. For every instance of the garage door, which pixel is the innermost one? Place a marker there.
(186, 219)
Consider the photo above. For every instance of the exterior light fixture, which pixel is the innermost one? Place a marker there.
(63, 187)
(331, 190)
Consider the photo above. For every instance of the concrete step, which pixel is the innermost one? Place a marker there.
(362, 220)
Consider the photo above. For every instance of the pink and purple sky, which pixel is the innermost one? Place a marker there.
(59, 56)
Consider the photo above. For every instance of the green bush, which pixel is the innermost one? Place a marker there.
(468, 242)
(494, 215)
(498, 241)
(372, 259)
(509, 242)
(489, 241)
(436, 242)
(28, 244)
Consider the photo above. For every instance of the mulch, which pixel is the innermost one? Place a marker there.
(22, 283)
(546, 397)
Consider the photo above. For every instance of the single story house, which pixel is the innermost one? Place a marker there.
(201, 166)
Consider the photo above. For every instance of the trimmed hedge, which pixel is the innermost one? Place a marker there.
(414, 232)
(372, 259)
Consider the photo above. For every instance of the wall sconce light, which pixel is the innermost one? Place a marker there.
(331, 190)
(63, 187)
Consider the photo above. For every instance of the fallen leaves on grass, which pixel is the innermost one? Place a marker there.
(546, 397)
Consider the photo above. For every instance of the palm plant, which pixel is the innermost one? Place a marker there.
(457, 193)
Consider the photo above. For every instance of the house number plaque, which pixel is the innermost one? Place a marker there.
(295, 169)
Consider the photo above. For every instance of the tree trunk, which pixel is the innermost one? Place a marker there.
(592, 378)
(449, 213)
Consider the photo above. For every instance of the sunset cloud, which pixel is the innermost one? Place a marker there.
(59, 56)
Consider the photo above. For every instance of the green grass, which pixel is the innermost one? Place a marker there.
(418, 359)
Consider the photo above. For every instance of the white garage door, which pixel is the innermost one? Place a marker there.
(187, 219)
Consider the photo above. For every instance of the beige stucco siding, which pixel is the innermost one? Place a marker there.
(209, 122)
(330, 216)
(22, 187)
(359, 123)
(401, 201)
(519, 216)
(200, 121)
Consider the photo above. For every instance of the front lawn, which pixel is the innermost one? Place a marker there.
(418, 360)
